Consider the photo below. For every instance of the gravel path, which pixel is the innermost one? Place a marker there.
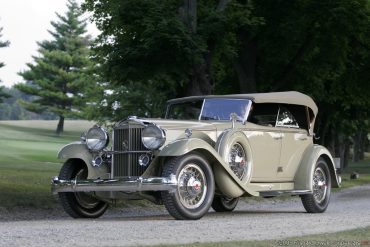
(138, 226)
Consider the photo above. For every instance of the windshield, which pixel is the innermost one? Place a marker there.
(208, 109)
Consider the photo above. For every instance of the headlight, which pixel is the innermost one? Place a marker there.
(96, 138)
(153, 137)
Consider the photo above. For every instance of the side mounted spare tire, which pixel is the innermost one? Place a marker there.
(234, 148)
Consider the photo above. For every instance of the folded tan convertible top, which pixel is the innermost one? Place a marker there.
(291, 97)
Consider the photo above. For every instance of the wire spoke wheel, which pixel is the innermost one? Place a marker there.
(318, 201)
(192, 186)
(195, 187)
(237, 160)
(320, 187)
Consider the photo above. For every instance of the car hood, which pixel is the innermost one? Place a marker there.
(168, 124)
(175, 129)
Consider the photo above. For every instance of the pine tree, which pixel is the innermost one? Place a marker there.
(2, 44)
(60, 75)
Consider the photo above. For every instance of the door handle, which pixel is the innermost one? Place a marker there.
(302, 138)
(278, 137)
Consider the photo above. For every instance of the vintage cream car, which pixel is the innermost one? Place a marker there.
(208, 151)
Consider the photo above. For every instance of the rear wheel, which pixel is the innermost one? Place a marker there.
(79, 204)
(194, 193)
(318, 201)
(224, 204)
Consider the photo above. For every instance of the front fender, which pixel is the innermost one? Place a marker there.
(184, 146)
(304, 177)
(78, 150)
(232, 186)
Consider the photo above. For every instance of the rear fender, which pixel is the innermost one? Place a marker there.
(78, 150)
(304, 177)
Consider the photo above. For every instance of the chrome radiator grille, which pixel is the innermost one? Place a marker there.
(127, 138)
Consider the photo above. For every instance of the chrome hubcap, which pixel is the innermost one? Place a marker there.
(192, 187)
(238, 161)
(320, 186)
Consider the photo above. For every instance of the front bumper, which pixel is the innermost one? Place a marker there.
(126, 184)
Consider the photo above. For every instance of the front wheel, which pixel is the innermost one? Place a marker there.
(318, 201)
(224, 204)
(195, 190)
(79, 204)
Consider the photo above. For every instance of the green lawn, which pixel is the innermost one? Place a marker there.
(361, 167)
(356, 237)
(28, 151)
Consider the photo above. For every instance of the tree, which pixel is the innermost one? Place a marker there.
(61, 75)
(322, 49)
(2, 44)
(167, 48)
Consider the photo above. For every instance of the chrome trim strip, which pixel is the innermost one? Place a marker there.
(129, 152)
(277, 130)
(201, 111)
(285, 192)
(126, 184)
(247, 111)
(277, 117)
(112, 160)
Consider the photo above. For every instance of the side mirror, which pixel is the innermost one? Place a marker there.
(233, 118)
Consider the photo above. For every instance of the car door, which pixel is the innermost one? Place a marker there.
(265, 141)
(292, 123)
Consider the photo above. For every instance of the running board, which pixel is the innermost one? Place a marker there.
(284, 192)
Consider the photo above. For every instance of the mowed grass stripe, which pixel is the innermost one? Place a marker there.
(28, 160)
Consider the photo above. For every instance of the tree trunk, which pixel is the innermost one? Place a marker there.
(245, 65)
(60, 127)
(189, 14)
(363, 145)
(322, 131)
(356, 146)
(344, 154)
(200, 82)
(359, 146)
(342, 146)
(200, 78)
(295, 60)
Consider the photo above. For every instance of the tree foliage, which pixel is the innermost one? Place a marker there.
(154, 50)
(62, 74)
(320, 48)
(2, 44)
